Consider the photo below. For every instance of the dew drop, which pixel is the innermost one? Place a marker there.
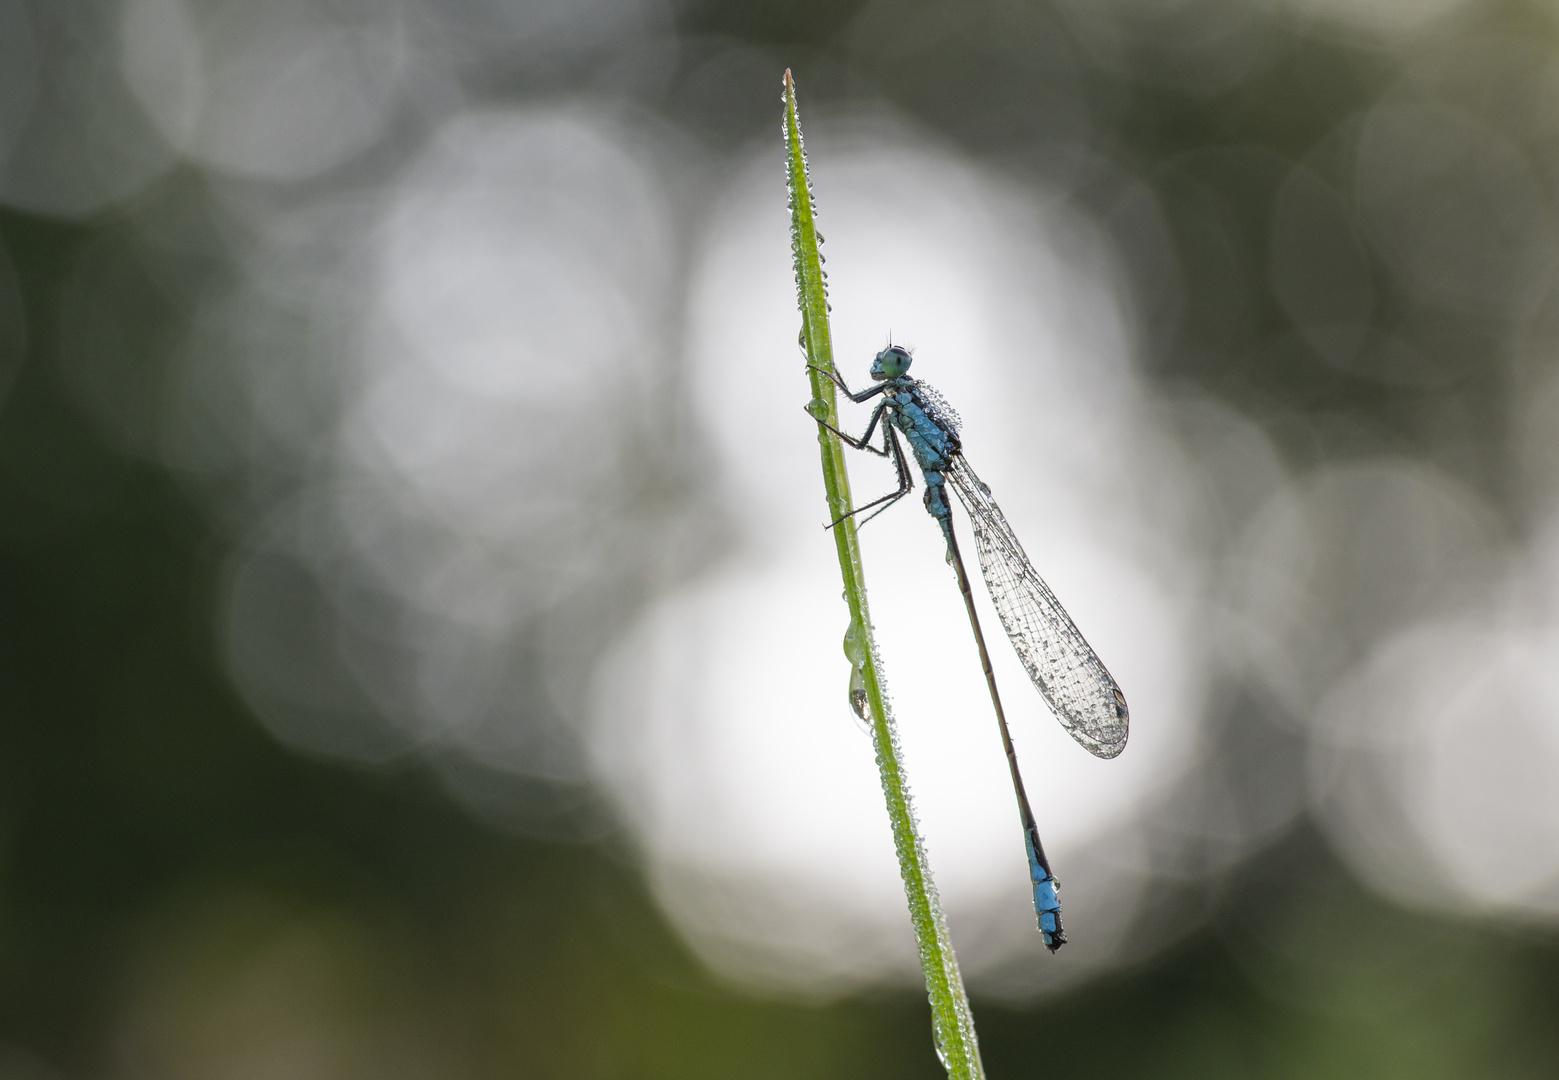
(858, 701)
(852, 645)
(855, 652)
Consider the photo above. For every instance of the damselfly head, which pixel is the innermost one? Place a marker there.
(891, 362)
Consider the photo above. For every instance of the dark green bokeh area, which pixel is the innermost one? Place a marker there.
(183, 898)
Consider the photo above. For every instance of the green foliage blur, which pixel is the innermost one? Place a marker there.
(181, 897)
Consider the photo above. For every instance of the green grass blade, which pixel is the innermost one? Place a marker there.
(952, 1023)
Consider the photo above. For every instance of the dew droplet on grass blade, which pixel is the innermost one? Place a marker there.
(855, 652)
(858, 699)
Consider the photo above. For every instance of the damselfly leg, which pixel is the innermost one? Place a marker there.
(890, 449)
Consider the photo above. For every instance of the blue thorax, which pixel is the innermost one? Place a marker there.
(932, 439)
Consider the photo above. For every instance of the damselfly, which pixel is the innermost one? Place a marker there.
(1074, 682)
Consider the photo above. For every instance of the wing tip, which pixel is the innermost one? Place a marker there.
(1109, 750)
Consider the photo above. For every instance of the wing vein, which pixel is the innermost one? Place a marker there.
(1068, 673)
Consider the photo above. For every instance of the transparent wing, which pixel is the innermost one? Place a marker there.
(1069, 674)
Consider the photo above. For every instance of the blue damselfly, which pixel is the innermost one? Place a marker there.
(1080, 691)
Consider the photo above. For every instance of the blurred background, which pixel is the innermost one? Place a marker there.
(421, 653)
